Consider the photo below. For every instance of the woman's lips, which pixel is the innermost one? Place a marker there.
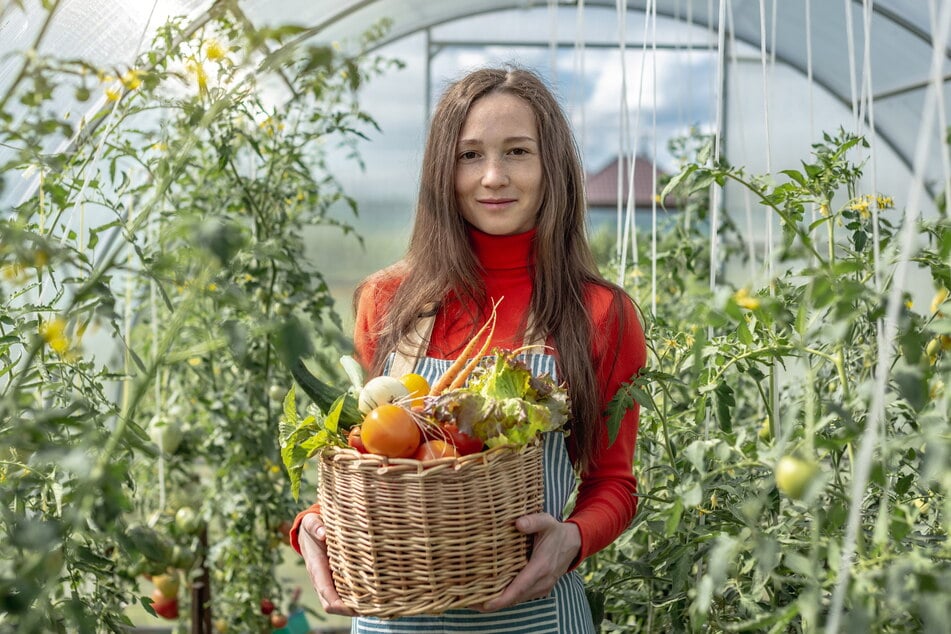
(496, 203)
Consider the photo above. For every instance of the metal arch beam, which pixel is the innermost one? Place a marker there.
(846, 102)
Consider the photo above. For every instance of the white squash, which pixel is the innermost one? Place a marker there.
(380, 391)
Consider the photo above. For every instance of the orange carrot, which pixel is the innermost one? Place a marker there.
(460, 380)
(459, 366)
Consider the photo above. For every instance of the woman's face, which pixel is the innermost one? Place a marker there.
(498, 167)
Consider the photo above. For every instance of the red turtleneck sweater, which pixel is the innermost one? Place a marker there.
(606, 499)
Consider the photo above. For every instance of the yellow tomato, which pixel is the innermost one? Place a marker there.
(418, 387)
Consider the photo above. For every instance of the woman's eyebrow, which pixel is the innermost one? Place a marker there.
(511, 139)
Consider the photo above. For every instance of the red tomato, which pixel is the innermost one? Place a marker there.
(354, 440)
(165, 607)
(278, 620)
(267, 606)
(464, 443)
(434, 450)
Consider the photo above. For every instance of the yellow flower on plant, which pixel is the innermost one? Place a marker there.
(908, 304)
(824, 209)
(54, 334)
(214, 50)
(194, 361)
(938, 299)
(14, 272)
(744, 300)
(113, 94)
(884, 202)
(132, 78)
(201, 77)
(861, 205)
(212, 287)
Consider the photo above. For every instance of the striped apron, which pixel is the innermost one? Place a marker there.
(565, 610)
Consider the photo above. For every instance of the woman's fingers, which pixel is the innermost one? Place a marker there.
(556, 544)
(314, 549)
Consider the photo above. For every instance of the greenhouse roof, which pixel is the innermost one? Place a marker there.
(900, 49)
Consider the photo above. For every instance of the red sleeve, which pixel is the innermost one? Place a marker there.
(606, 500)
(295, 527)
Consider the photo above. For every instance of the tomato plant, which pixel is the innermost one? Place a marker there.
(140, 340)
(755, 405)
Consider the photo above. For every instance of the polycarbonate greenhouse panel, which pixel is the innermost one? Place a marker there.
(111, 32)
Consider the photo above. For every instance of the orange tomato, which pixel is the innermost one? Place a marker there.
(389, 430)
(418, 387)
(434, 450)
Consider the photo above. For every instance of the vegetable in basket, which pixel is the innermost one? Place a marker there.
(502, 404)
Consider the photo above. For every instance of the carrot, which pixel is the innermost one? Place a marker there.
(460, 380)
(459, 368)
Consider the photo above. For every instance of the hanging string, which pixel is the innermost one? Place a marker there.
(870, 104)
(942, 122)
(741, 132)
(624, 124)
(630, 227)
(769, 168)
(850, 39)
(553, 40)
(579, 72)
(715, 197)
(654, 159)
(809, 83)
(906, 248)
(153, 234)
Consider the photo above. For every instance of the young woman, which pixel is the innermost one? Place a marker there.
(501, 216)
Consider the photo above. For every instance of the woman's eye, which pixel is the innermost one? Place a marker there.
(519, 151)
(468, 156)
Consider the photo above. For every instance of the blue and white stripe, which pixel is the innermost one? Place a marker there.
(565, 610)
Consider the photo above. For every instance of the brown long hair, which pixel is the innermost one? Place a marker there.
(564, 266)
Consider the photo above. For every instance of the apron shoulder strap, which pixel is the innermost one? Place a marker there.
(415, 343)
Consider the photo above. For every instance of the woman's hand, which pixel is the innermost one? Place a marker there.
(556, 546)
(313, 547)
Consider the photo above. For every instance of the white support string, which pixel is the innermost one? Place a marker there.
(869, 93)
(850, 40)
(715, 198)
(579, 72)
(624, 117)
(809, 83)
(809, 80)
(942, 121)
(654, 159)
(738, 102)
(906, 247)
(769, 168)
(630, 227)
(553, 40)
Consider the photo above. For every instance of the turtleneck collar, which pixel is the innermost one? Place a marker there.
(502, 252)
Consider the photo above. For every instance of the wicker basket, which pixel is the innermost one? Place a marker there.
(404, 539)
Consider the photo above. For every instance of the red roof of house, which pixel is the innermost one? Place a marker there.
(602, 185)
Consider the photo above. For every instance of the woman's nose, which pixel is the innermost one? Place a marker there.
(495, 174)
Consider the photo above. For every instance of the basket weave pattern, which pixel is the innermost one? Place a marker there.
(404, 540)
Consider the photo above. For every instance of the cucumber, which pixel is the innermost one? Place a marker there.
(324, 396)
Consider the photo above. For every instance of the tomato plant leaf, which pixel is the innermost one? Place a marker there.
(623, 401)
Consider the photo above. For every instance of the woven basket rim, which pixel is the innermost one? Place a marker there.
(354, 459)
